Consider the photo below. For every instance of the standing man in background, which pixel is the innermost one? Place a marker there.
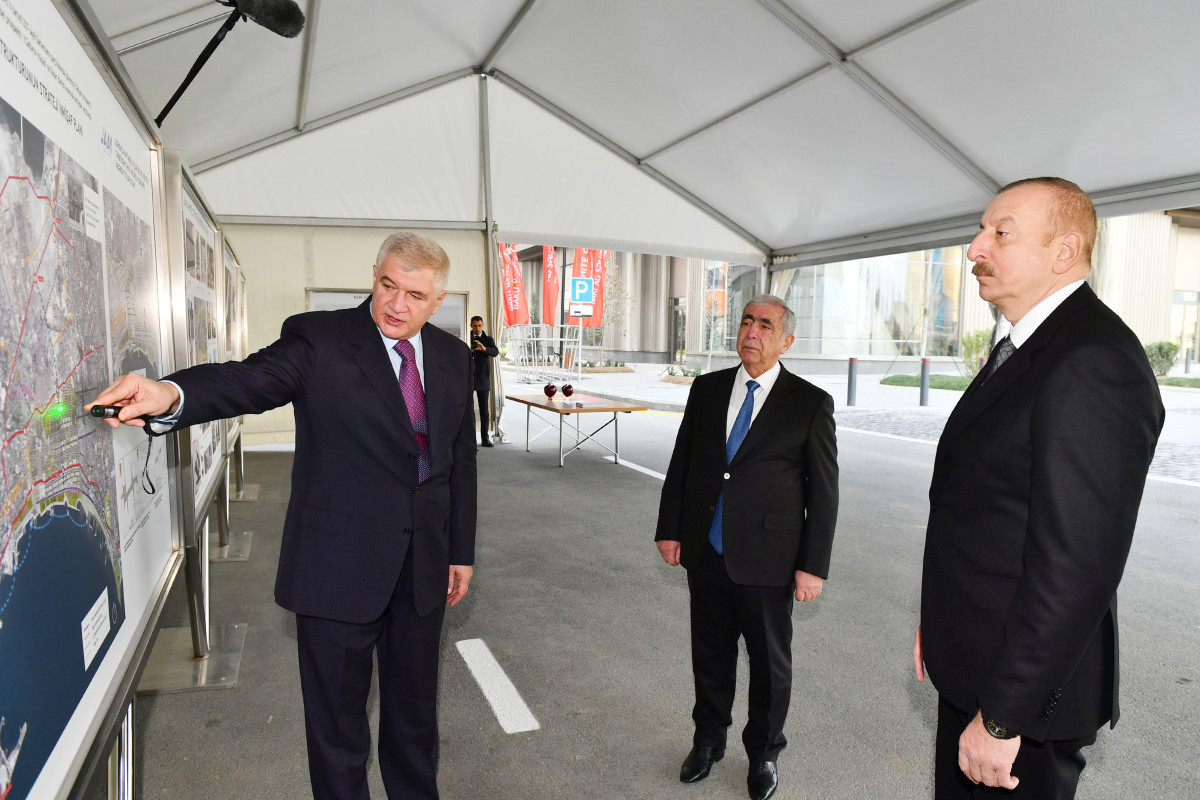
(483, 350)
(1036, 486)
(380, 528)
(748, 507)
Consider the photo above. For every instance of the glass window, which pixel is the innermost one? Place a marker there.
(727, 289)
(903, 304)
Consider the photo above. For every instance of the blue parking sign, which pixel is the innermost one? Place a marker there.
(581, 290)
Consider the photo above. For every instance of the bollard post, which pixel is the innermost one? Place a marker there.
(1187, 362)
(924, 381)
(851, 381)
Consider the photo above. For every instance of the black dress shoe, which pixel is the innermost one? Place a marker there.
(698, 763)
(763, 780)
(486, 443)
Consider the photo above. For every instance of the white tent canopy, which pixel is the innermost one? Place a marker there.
(741, 130)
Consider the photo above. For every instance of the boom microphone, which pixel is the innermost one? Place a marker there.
(283, 17)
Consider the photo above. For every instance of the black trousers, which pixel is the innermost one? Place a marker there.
(482, 395)
(1047, 770)
(721, 613)
(335, 678)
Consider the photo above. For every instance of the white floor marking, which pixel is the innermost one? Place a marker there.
(888, 436)
(640, 468)
(510, 710)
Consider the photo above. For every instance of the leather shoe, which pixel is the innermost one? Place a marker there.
(763, 780)
(486, 443)
(699, 762)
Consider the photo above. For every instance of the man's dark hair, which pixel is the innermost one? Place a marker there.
(476, 317)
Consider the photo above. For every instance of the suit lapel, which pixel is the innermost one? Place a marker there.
(376, 365)
(718, 400)
(981, 394)
(438, 379)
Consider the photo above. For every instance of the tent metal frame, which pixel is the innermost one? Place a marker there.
(1185, 190)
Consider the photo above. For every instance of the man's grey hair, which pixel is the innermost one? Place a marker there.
(416, 251)
(789, 319)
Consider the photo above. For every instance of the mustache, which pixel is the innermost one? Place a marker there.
(982, 268)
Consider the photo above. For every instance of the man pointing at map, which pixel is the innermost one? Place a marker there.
(380, 528)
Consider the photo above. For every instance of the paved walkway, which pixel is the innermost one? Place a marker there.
(896, 410)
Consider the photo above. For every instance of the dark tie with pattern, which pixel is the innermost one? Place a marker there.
(414, 399)
(741, 426)
(1000, 353)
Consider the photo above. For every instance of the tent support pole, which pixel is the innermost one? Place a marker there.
(492, 284)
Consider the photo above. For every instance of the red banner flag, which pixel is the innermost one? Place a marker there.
(516, 310)
(599, 269)
(549, 286)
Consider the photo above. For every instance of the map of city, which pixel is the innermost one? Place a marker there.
(62, 596)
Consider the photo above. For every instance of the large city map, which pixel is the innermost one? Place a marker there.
(62, 587)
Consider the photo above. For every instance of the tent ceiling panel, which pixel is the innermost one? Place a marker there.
(368, 51)
(808, 166)
(852, 25)
(796, 126)
(246, 91)
(121, 16)
(1119, 106)
(412, 160)
(553, 185)
(644, 73)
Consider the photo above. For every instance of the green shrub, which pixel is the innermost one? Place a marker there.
(974, 347)
(1162, 356)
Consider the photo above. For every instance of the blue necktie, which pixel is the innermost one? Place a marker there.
(741, 426)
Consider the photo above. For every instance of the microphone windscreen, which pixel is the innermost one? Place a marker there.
(283, 17)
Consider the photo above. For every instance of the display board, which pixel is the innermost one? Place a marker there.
(85, 545)
(202, 283)
(233, 326)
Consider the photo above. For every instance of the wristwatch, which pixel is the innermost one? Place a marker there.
(997, 730)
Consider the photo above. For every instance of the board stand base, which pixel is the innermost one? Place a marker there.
(238, 548)
(248, 494)
(172, 667)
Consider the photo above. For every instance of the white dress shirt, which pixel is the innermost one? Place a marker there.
(738, 396)
(1035, 316)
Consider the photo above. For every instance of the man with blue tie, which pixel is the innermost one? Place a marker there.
(749, 507)
(380, 528)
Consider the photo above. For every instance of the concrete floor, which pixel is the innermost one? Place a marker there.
(572, 599)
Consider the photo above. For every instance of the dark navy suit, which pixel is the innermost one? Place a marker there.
(366, 551)
(779, 512)
(1035, 493)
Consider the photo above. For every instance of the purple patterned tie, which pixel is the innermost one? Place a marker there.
(414, 398)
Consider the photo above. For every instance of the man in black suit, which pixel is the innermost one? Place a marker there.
(1036, 486)
(749, 507)
(483, 350)
(380, 528)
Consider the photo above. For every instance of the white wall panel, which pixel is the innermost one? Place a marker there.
(415, 159)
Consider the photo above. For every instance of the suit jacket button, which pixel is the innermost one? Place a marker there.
(726, 476)
(412, 455)
(712, 509)
(408, 530)
(417, 490)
